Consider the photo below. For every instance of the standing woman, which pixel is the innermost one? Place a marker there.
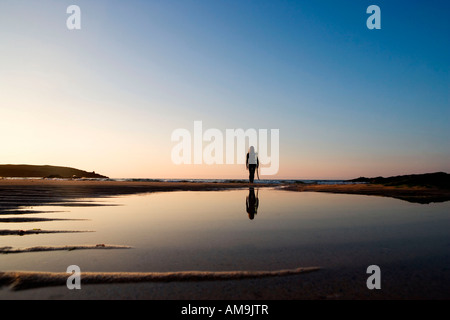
(252, 163)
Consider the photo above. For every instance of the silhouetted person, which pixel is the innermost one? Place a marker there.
(251, 203)
(252, 163)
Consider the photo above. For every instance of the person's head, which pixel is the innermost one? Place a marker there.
(251, 150)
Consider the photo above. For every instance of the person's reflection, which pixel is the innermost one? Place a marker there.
(252, 203)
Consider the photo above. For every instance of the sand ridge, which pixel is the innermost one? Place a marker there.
(20, 280)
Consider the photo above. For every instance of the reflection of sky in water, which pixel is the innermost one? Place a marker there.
(212, 231)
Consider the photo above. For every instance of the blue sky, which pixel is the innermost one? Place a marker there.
(348, 101)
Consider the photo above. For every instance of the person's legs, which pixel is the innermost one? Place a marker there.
(251, 169)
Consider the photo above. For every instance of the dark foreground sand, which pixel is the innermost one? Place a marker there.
(323, 284)
(326, 283)
(27, 280)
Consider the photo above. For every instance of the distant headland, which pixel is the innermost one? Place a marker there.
(439, 180)
(32, 171)
(418, 188)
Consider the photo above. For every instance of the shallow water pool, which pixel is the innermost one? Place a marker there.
(265, 229)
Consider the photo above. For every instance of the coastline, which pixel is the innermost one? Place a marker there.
(17, 193)
(416, 194)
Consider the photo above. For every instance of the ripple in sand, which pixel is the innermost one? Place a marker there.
(28, 280)
(36, 231)
(7, 250)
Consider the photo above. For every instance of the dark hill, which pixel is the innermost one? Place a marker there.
(439, 180)
(30, 171)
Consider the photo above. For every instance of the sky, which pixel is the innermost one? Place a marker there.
(347, 101)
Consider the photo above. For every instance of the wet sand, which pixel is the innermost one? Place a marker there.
(27, 280)
(415, 194)
(323, 284)
(29, 193)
